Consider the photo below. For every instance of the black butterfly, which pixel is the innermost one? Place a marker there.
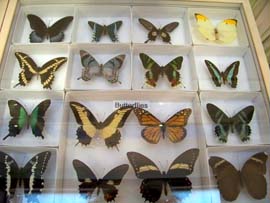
(238, 123)
(99, 30)
(41, 31)
(31, 176)
(155, 32)
(89, 181)
(154, 179)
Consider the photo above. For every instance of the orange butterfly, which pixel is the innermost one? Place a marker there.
(155, 129)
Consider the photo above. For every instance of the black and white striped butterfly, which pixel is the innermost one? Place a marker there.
(31, 176)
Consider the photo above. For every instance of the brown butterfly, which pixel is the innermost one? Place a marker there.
(155, 32)
(155, 129)
(229, 179)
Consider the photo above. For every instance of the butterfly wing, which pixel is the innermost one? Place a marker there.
(205, 27)
(112, 30)
(91, 66)
(227, 176)
(164, 32)
(110, 132)
(36, 120)
(48, 69)
(110, 180)
(214, 72)
(86, 120)
(172, 71)
(253, 175)
(230, 74)
(39, 27)
(110, 69)
(56, 30)
(98, 31)
(152, 132)
(175, 125)
(241, 120)
(227, 31)
(223, 122)
(153, 69)
(153, 31)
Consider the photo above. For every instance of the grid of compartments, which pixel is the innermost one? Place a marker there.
(196, 90)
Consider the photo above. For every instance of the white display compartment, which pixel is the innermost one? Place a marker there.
(53, 126)
(163, 55)
(102, 53)
(103, 15)
(22, 155)
(101, 159)
(222, 57)
(216, 15)
(237, 156)
(159, 17)
(49, 15)
(231, 104)
(41, 54)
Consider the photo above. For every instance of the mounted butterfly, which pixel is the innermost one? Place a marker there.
(230, 179)
(55, 32)
(109, 70)
(154, 32)
(30, 176)
(154, 180)
(89, 181)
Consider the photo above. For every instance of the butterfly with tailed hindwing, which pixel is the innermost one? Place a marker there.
(89, 126)
(252, 176)
(228, 76)
(20, 118)
(109, 70)
(154, 181)
(161, 32)
(153, 70)
(31, 176)
(41, 31)
(238, 123)
(89, 181)
(30, 68)
(225, 32)
(173, 128)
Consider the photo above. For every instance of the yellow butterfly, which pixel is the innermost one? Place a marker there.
(224, 32)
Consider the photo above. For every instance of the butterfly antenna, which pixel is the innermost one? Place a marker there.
(6, 137)
(146, 41)
(77, 143)
(117, 148)
(119, 82)
(16, 85)
(79, 78)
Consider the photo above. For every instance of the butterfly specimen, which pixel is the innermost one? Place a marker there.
(110, 70)
(153, 70)
(154, 180)
(230, 180)
(31, 176)
(173, 128)
(89, 182)
(110, 30)
(161, 32)
(41, 31)
(30, 68)
(238, 123)
(108, 130)
(225, 32)
(228, 76)
(20, 118)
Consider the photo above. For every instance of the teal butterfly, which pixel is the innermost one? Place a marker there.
(228, 76)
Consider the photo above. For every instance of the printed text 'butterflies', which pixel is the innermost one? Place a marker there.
(230, 180)
(154, 180)
(236, 124)
(109, 70)
(154, 71)
(108, 129)
(89, 181)
(30, 69)
(31, 176)
(41, 31)
(173, 128)
(158, 32)
(20, 118)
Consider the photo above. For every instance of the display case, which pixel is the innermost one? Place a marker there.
(133, 101)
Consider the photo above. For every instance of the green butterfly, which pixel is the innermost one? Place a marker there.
(20, 118)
